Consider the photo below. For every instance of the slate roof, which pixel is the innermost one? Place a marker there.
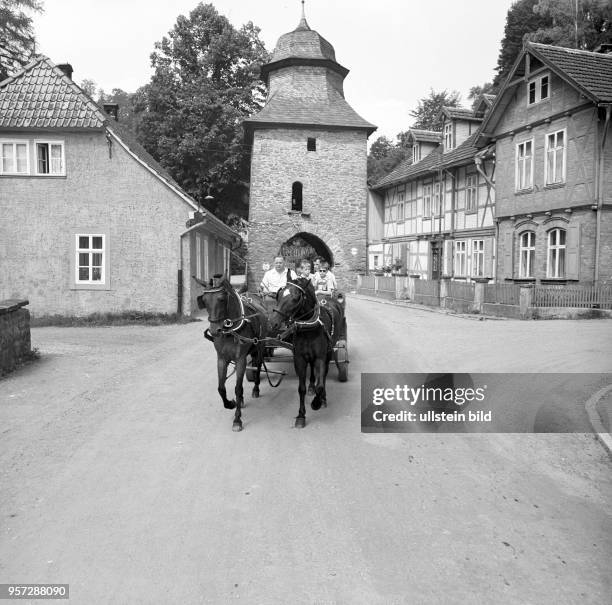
(332, 110)
(42, 96)
(590, 71)
(426, 136)
(303, 43)
(432, 162)
(462, 113)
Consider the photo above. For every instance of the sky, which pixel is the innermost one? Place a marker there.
(396, 50)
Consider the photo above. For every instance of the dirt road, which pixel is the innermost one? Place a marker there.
(121, 476)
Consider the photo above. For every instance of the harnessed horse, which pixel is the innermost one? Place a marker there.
(238, 326)
(315, 327)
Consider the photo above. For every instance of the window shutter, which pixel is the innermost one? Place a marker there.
(572, 251)
(508, 255)
(447, 258)
(488, 257)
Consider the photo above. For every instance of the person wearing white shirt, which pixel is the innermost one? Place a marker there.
(324, 280)
(276, 278)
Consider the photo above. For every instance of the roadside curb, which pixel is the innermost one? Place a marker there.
(409, 305)
(595, 419)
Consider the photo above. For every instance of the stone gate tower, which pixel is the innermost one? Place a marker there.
(308, 186)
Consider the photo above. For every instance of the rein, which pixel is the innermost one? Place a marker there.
(298, 323)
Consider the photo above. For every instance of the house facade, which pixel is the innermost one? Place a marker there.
(90, 221)
(550, 126)
(438, 208)
(308, 186)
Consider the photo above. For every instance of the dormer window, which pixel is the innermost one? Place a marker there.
(538, 89)
(448, 136)
(416, 153)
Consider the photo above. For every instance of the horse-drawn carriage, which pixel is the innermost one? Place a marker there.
(296, 325)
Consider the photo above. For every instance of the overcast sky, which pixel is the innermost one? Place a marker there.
(396, 50)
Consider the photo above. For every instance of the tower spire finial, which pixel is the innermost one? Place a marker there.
(303, 23)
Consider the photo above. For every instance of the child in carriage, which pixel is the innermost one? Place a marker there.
(324, 280)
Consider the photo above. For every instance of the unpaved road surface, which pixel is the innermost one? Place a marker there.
(121, 476)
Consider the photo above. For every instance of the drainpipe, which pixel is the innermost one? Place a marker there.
(600, 188)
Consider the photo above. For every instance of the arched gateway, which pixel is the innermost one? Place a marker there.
(308, 189)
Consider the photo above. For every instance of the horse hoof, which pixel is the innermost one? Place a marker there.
(255, 393)
(230, 405)
(311, 389)
(315, 404)
(324, 404)
(237, 427)
(300, 422)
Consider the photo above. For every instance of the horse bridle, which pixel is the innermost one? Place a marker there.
(315, 318)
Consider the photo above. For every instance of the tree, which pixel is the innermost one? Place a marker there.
(17, 42)
(384, 156)
(520, 20)
(476, 92)
(189, 117)
(582, 24)
(428, 114)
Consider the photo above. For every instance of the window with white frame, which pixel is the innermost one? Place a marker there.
(471, 193)
(427, 201)
(478, 258)
(90, 253)
(416, 153)
(448, 136)
(460, 258)
(14, 159)
(555, 266)
(438, 200)
(538, 89)
(401, 196)
(526, 254)
(376, 261)
(554, 166)
(524, 165)
(50, 157)
(198, 241)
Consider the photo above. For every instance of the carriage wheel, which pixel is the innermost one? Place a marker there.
(341, 359)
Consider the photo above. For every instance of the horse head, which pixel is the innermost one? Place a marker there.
(218, 299)
(295, 301)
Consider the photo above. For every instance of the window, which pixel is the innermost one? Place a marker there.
(311, 144)
(400, 205)
(538, 90)
(90, 259)
(427, 201)
(448, 136)
(478, 258)
(471, 193)
(198, 241)
(376, 261)
(296, 197)
(14, 158)
(460, 258)
(438, 200)
(416, 153)
(524, 165)
(554, 166)
(555, 266)
(50, 157)
(526, 254)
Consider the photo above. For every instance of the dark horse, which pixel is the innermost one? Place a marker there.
(315, 327)
(237, 326)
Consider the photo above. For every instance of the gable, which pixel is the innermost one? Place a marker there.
(42, 96)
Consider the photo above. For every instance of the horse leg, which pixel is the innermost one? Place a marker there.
(240, 369)
(301, 368)
(222, 377)
(320, 397)
(256, 361)
(311, 384)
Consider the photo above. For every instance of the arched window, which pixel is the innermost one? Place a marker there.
(296, 196)
(555, 265)
(526, 254)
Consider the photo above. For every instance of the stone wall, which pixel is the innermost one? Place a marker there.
(14, 334)
(334, 196)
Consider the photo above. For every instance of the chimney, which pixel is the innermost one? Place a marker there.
(112, 109)
(604, 48)
(66, 68)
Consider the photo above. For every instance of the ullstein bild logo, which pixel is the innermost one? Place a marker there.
(464, 403)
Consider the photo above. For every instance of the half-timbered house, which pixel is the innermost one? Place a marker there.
(438, 208)
(550, 125)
